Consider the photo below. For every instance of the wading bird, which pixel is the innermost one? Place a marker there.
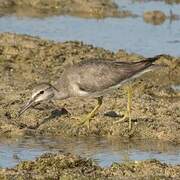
(92, 78)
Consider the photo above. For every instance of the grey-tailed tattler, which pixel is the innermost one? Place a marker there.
(92, 78)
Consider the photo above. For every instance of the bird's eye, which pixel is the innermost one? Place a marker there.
(41, 92)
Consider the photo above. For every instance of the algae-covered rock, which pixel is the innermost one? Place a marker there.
(155, 17)
(68, 166)
(26, 61)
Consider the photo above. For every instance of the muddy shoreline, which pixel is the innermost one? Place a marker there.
(81, 8)
(26, 61)
(69, 166)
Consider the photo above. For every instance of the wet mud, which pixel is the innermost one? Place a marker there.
(26, 61)
(68, 166)
(172, 1)
(81, 8)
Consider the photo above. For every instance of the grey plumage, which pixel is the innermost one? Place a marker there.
(91, 78)
(96, 77)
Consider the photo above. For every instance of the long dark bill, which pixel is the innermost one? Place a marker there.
(25, 107)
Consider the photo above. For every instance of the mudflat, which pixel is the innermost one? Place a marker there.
(81, 8)
(26, 61)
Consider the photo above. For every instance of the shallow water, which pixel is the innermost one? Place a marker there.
(104, 151)
(130, 34)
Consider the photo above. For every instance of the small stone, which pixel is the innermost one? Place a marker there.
(154, 17)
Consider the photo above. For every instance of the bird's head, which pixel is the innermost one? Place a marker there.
(42, 92)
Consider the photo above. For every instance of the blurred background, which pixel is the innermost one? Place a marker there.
(146, 27)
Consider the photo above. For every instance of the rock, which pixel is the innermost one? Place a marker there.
(69, 166)
(154, 17)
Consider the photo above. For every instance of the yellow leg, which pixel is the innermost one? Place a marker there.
(129, 104)
(92, 113)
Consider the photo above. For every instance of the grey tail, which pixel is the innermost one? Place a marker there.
(148, 64)
(149, 61)
(155, 58)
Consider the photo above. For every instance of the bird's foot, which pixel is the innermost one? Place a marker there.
(85, 121)
(81, 121)
(126, 116)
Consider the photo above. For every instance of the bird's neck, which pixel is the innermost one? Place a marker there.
(60, 94)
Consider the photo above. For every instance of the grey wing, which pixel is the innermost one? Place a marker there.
(89, 77)
(101, 76)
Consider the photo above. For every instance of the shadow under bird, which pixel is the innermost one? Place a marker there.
(92, 78)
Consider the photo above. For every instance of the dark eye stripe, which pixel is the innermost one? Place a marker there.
(38, 94)
(41, 92)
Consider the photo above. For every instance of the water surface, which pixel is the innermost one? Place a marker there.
(130, 34)
(104, 151)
